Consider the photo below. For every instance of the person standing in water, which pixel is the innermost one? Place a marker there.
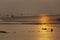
(51, 30)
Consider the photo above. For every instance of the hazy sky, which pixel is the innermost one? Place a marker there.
(29, 7)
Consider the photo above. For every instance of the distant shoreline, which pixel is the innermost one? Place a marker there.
(29, 23)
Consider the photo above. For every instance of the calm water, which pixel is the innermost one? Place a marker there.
(30, 32)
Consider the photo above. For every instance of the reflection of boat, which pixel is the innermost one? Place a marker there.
(44, 28)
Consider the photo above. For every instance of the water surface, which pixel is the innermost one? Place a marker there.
(29, 32)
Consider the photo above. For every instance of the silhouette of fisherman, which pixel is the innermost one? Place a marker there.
(51, 30)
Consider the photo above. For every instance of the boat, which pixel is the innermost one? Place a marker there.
(44, 28)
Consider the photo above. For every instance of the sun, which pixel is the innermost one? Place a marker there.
(44, 19)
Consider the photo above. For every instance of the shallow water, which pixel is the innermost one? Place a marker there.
(30, 32)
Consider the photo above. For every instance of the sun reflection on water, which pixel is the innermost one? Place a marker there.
(44, 19)
(45, 30)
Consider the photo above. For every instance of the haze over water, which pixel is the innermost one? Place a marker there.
(29, 7)
(31, 32)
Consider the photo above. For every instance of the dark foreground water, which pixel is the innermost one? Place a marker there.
(30, 32)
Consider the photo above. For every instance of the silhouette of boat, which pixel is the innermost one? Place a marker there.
(44, 28)
(3, 32)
